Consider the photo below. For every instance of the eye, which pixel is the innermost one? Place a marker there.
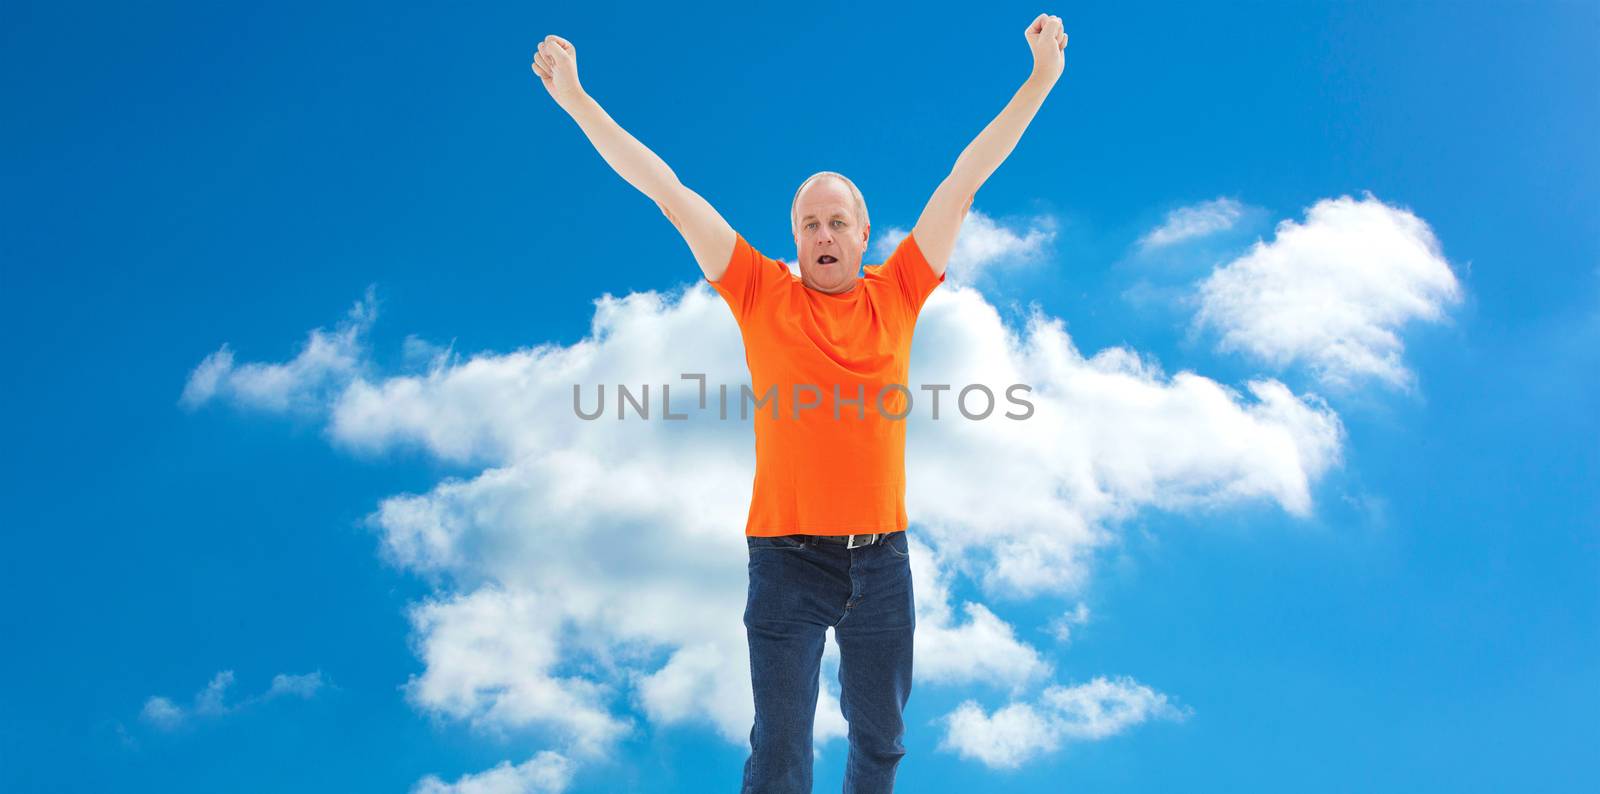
(841, 223)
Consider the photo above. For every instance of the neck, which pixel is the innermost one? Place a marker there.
(839, 290)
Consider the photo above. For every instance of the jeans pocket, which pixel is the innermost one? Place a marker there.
(778, 542)
(899, 544)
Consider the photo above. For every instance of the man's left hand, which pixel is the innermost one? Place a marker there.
(1049, 43)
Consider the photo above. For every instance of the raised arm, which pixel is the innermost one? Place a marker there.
(940, 221)
(710, 237)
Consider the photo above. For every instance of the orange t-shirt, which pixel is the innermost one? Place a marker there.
(815, 474)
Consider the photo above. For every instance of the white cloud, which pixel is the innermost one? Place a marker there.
(1061, 626)
(161, 712)
(982, 244)
(1197, 220)
(1332, 293)
(1110, 435)
(489, 657)
(594, 566)
(546, 773)
(304, 686)
(325, 363)
(1019, 732)
(981, 648)
(212, 700)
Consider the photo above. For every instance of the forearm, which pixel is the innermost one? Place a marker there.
(994, 144)
(632, 160)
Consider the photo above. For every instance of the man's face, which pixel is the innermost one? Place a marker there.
(827, 228)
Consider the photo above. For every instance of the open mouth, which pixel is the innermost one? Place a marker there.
(826, 260)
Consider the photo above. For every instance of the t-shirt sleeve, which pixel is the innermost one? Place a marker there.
(912, 274)
(750, 277)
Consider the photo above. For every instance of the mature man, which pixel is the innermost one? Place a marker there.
(827, 521)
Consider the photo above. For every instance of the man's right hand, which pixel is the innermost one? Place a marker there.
(556, 64)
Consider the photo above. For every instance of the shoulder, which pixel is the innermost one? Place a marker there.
(751, 281)
(909, 271)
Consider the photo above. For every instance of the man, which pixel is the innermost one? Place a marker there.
(827, 521)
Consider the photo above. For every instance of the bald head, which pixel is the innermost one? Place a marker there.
(829, 218)
(860, 203)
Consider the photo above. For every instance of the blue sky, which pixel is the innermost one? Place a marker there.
(293, 286)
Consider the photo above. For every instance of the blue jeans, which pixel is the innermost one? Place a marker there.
(799, 587)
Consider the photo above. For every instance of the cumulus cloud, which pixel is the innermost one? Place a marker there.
(1021, 731)
(212, 700)
(1021, 505)
(161, 712)
(301, 686)
(982, 244)
(326, 362)
(1332, 293)
(976, 646)
(1061, 626)
(489, 656)
(591, 567)
(1197, 220)
(548, 772)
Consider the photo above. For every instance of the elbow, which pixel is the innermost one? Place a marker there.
(964, 179)
(663, 189)
(670, 216)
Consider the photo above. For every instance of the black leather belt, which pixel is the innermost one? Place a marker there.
(850, 541)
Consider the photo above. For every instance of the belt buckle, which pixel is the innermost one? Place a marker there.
(850, 542)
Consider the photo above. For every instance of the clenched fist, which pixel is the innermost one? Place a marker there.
(1048, 42)
(556, 64)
